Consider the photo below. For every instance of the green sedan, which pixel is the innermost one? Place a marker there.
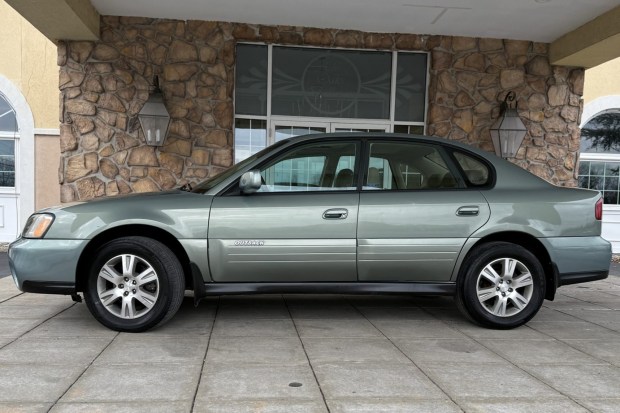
(334, 213)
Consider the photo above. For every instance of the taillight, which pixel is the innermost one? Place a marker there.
(598, 209)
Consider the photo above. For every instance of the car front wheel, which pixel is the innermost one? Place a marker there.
(502, 285)
(134, 284)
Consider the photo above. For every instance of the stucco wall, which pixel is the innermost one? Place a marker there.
(29, 61)
(105, 84)
(602, 80)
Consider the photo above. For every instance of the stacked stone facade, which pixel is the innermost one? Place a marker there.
(104, 84)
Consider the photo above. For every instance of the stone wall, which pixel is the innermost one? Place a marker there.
(104, 84)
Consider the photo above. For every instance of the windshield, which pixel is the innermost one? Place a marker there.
(204, 186)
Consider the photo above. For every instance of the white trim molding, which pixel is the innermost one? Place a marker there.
(600, 105)
(47, 131)
(25, 170)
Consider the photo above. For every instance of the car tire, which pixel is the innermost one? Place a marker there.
(501, 285)
(134, 284)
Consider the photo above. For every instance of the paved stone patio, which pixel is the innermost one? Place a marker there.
(334, 353)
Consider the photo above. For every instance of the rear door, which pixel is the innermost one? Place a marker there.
(416, 212)
(301, 225)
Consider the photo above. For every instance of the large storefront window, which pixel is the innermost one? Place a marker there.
(287, 91)
(8, 134)
(599, 167)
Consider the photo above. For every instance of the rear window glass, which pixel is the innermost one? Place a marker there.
(476, 173)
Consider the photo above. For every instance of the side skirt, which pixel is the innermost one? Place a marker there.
(447, 288)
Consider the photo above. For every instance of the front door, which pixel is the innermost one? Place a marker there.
(415, 213)
(300, 227)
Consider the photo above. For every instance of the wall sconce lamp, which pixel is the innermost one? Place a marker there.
(508, 132)
(154, 118)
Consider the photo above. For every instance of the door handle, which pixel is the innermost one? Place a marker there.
(336, 213)
(467, 211)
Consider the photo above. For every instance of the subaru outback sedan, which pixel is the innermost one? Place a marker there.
(339, 213)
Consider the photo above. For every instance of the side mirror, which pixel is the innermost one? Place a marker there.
(250, 182)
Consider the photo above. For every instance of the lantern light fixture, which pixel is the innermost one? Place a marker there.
(508, 131)
(154, 117)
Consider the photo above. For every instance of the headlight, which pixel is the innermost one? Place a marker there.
(37, 225)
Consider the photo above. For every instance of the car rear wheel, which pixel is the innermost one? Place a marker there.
(134, 284)
(501, 285)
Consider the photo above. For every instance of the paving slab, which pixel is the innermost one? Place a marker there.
(36, 383)
(262, 406)
(11, 311)
(254, 328)
(396, 328)
(328, 350)
(607, 350)
(552, 351)
(374, 405)
(401, 313)
(580, 330)
(263, 350)
(135, 383)
(361, 380)
(486, 380)
(556, 405)
(609, 405)
(243, 382)
(53, 350)
(326, 328)
(130, 348)
(125, 407)
(446, 351)
(525, 332)
(580, 381)
(25, 407)
(325, 311)
(57, 327)
(552, 314)
(13, 328)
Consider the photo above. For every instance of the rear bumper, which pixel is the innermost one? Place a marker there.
(45, 266)
(579, 259)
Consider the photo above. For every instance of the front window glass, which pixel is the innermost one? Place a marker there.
(601, 134)
(285, 131)
(402, 166)
(250, 137)
(315, 167)
(331, 83)
(601, 176)
(8, 133)
(251, 80)
(411, 87)
(7, 163)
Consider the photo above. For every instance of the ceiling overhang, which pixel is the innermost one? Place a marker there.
(596, 42)
(60, 19)
(581, 33)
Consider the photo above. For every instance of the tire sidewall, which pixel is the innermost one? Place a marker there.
(156, 314)
(484, 255)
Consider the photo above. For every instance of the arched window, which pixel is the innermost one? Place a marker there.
(599, 167)
(8, 135)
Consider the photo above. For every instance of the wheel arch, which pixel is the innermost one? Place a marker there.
(155, 233)
(530, 243)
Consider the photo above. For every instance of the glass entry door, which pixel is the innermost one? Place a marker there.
(287, 129)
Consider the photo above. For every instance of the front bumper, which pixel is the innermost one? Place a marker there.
(579, 259)
(45, 265)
